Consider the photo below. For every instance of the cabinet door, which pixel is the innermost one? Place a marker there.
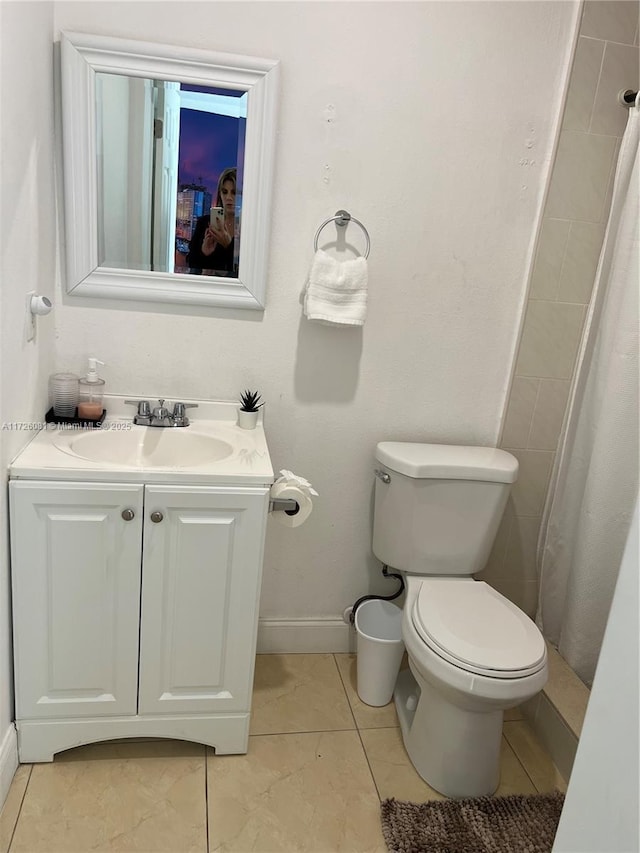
(76, 598)
(201, 574)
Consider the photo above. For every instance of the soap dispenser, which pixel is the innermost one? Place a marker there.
(90, 392)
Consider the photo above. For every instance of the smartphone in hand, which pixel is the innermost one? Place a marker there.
(216, 213)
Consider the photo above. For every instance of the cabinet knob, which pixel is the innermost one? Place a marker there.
(156, 517)
(128, 514)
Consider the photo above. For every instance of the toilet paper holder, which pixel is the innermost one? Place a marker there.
(287, 505)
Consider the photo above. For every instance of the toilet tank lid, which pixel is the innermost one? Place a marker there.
(448, 461)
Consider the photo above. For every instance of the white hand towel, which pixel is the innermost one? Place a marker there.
(337, 290)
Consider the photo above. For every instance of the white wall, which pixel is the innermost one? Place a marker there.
(442, 131)
(28, 228)
(601, 809)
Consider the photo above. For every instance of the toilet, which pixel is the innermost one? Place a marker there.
(472, 652)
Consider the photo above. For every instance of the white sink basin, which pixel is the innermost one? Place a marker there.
(149, 447)
(212, 450)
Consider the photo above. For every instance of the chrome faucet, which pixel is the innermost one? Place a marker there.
(161, 416)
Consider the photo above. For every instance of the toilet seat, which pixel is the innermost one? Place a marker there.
(472, 626)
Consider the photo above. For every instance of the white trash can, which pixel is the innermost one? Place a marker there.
(379, 650)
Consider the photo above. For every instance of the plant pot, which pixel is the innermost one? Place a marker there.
(247, 420)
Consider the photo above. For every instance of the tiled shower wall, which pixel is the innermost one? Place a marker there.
(607, 59)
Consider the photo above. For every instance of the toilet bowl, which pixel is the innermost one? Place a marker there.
(451, 701)
(472, 652)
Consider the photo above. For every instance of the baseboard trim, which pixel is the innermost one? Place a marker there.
(556, 714)
(8, 761)
(298, 636)
(555, 735)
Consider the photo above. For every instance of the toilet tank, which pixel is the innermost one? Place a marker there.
(439, 512)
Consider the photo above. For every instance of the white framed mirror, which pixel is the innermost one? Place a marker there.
(168, 157)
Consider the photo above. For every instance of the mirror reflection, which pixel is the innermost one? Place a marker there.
(170, 170)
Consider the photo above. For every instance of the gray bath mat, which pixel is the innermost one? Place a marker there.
(521, 823)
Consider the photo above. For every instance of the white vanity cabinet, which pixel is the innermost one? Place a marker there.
(135, 611)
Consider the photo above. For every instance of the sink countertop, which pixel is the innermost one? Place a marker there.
(47, 457)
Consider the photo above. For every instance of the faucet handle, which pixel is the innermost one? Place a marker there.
(144, 410)
(179, 417)
(178, 408)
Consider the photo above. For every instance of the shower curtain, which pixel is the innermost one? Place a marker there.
(595, 478)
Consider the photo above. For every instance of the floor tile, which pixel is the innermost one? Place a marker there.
(12, 805)
(513, 714)
(533, 757)
(117, 797)
(396, 777)
(513, 776)
(392, 770)
(298, 693)
(310, 790)
(306, 792)
(367, 717)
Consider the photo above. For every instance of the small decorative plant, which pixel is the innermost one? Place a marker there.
(250, 401)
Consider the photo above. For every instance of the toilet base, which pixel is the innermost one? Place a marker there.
(455, 750)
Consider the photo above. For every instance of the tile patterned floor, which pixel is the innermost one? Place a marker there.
(319, 762)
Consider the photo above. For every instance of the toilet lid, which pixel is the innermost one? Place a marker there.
(474, 627)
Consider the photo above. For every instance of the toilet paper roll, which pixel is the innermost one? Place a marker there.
(291, 492)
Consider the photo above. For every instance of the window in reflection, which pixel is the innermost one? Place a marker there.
(209, 198)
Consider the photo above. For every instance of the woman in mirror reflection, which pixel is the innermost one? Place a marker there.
(212, 244)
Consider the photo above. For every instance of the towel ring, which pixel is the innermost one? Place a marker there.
(342, 219)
